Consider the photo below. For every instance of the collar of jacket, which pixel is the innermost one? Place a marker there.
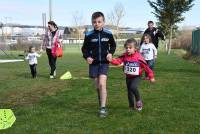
(97, 31)
(135, 55)
(153, 29)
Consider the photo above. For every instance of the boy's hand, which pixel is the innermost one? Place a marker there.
(109, 57)
(152, 80)
(90, 60)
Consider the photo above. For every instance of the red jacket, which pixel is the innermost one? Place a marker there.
(133, 65)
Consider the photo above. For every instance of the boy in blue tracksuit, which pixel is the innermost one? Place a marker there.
(98, 48)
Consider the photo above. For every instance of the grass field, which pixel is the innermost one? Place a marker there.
(44, 106)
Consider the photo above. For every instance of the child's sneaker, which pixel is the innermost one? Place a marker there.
(52, 77)
(103, 112)
(139, 105)
(54, 73)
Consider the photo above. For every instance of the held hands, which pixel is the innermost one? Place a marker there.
(109, 57)
(120, 65)
(90, 60)
(41, 51)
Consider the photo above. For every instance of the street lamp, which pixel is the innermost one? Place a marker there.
(50, 10)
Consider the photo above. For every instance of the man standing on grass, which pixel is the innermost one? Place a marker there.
(154, 33)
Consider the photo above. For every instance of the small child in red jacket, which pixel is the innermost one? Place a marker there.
(133, 63)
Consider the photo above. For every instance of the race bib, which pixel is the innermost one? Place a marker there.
(131, 68)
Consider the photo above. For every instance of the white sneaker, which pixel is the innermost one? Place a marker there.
(139, 109)
(51, 77)
(103, 112)
(54, 73)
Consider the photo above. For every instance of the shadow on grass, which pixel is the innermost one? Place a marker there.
(29, 76)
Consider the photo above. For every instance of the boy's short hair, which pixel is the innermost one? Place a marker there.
(131, 40)
(150, 22)
(98, 14)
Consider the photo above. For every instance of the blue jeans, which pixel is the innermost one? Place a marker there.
(150, 64)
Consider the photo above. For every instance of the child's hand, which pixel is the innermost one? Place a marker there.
(120, 65)
(109, 57)
(152, 80)
(90, 60)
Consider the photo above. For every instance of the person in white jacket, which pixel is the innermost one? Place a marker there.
(32, 59)
(148, 51)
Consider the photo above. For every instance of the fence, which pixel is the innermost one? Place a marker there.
(196, 42)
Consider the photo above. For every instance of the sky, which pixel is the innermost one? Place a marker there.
(137, 12)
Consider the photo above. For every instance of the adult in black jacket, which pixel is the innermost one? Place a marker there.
(154, 33)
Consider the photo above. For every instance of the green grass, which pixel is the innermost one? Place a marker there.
(44, 106)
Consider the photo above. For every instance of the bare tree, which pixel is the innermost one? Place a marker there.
(111, 18)
(2, 32)
(78, 22)
(115, 17)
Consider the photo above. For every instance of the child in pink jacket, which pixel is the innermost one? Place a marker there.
(133, 63)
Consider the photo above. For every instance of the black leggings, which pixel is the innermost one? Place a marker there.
(52, 61)
(33, 70)
(132, 86)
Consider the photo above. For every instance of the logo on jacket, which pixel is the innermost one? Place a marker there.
(132, 64)
(104, 39)
(94, 40)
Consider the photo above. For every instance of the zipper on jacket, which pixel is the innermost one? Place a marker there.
(99, 48)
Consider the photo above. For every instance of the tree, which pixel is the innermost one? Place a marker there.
(78, 22)
(2, 32)
(115, 17)
(169, 13)
(163, 26)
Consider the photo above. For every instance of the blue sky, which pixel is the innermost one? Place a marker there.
(137, 12)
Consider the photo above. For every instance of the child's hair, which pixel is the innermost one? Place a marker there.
(148, 36)
(150, 22)
(29, 50)
(133, 41)
(98, 14)
(53, 24)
